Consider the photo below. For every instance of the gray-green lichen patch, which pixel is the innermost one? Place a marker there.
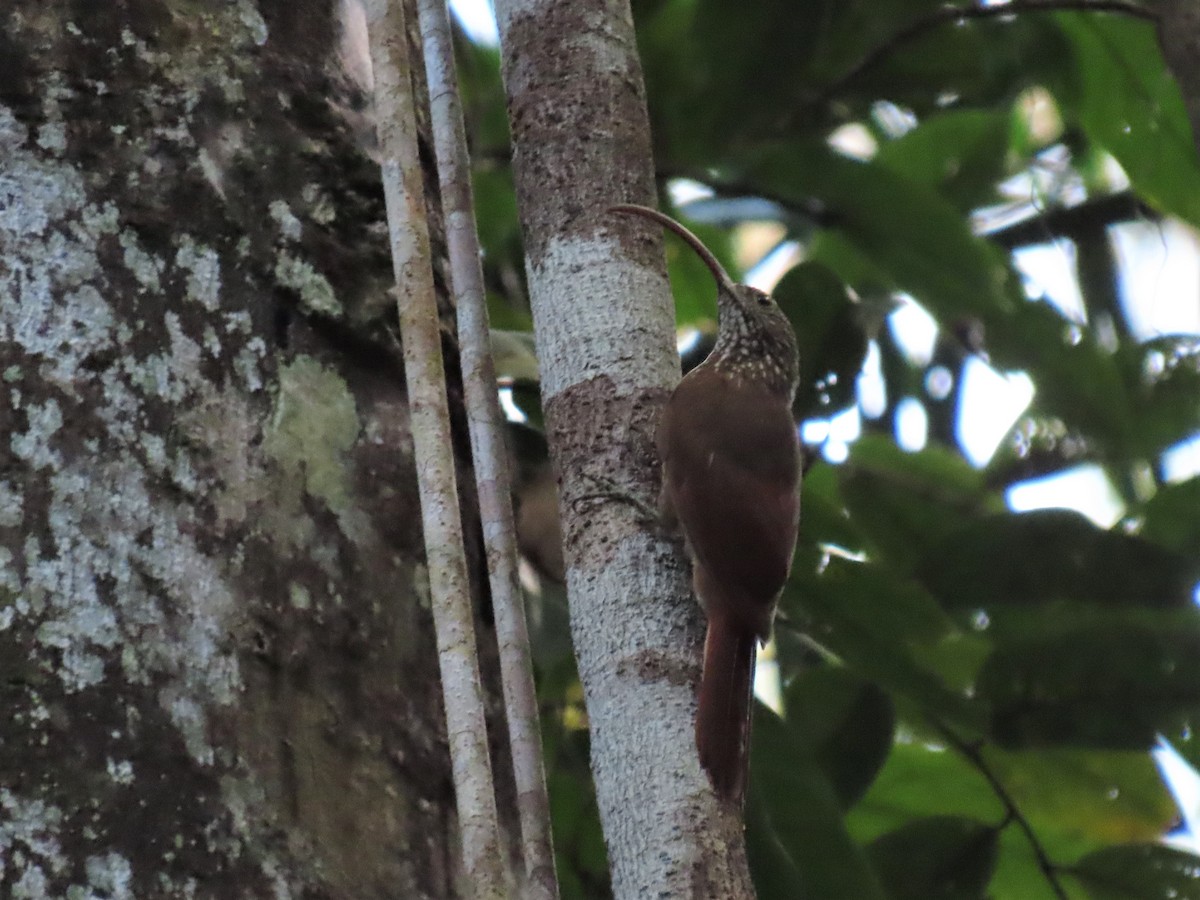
(227, 427)
(53, 309)
(115, 565)
(99, 587)
(299, 595)
(314, 424)
(315, 292)
(108, 873)
(289, 226)
(33, 446)
(252, 19)
(204, 272)
(29, 835)
(11, 502)
(193, 68)
(145, 268)
(321, 207)
(146, 532)
(8, 587)
(31, 839)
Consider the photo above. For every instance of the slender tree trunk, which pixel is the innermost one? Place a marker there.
(604, 325)
(216, 661)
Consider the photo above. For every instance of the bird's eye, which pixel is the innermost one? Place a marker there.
(764, 300)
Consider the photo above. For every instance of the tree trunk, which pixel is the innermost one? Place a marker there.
(604, 325)
(216, 660)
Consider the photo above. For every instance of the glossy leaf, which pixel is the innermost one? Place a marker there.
(922, 779)
(1078, 380)
(1131, 106)
(1172, 517)
(1052, 554)
(831, 337)
(776, 875)
(941, 262)
(906, 503)
(824, 520)
(1077, 800)
(881, 628)
(1112, 685)
(961, 153)
(1140, 872)
(939, 857)
(800, 814)
(848, 720)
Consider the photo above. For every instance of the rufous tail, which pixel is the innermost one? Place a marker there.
(723, 721)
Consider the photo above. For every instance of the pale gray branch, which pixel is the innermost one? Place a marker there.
(489, 450)
(429, 413)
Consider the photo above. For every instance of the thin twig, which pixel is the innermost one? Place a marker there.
(430, 425)
(948, 14)
(489, 451)
(1012, 812)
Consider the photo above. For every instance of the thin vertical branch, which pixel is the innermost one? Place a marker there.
(429, 413)
(488, 447)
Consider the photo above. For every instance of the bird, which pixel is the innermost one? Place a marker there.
(731, 464)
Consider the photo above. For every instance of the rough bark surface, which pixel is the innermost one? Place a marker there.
(604, 324)
(215, 653)
(1179, 35)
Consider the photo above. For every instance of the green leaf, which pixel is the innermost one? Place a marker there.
(938, 857)
(961, 153)
(1172, 517)
(885, 629)
(1077, 800)
(775, 874)
(849, 721)
(527, 397)
(1077, 380)
(922, 779)
(1018, 872)
(496, 214)
(968, 63)
(796, 811)
(906, 503)
(1105, 685)
(830, 335)
(1130, 105)
(829, 331)
(906, 228)
(823, 517)
(1166, 408)
(1049, 555)
(1140, 872)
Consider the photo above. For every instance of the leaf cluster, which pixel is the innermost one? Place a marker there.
(970, 695)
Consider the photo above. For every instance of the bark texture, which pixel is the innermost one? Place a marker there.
(1179, 35)
(215, 652)
(604, 324)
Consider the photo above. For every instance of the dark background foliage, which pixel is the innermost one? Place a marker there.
(970, 694)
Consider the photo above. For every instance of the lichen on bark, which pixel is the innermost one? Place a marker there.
(206, 483)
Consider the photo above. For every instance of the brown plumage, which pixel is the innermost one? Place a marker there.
(731, 467)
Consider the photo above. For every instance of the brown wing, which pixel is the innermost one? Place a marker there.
(731, 466)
